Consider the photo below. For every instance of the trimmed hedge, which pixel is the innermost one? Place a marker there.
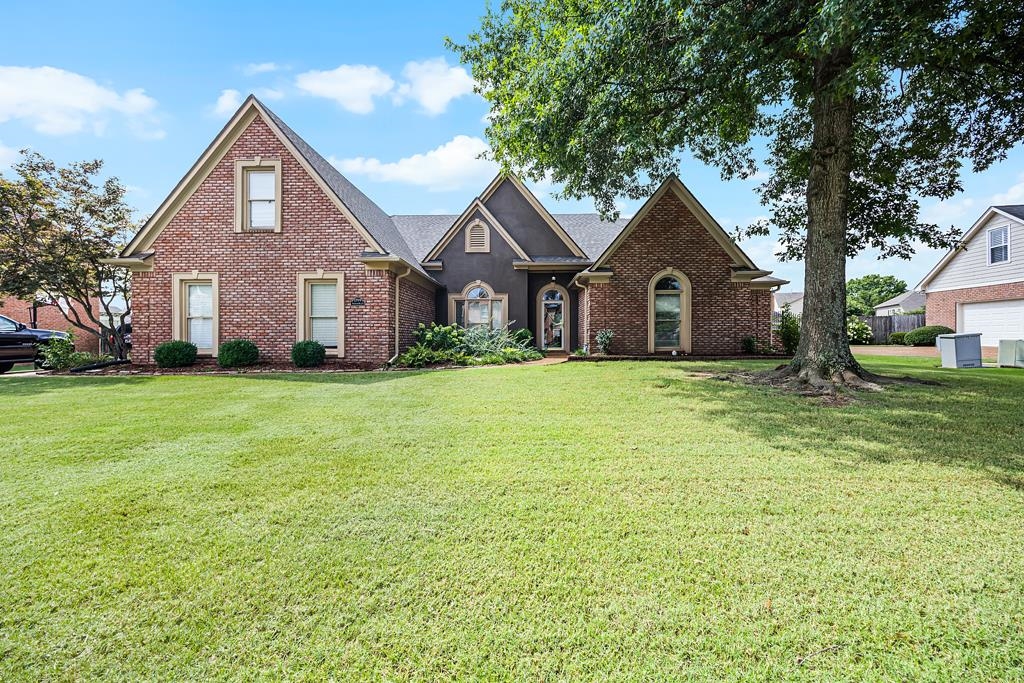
(308, 354)
(175, 354)
(237, 353)
(925, 336)
(898, 338)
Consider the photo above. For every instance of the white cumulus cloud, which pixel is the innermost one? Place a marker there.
(452, 166)
(58, 102)
(1013, 195)
(228, 101)
(260, 68)
(432, 84)
(352, 86)
(269, 94)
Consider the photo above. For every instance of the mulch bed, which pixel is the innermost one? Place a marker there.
(213, 369)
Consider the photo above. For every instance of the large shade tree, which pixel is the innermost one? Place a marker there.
(865, 106)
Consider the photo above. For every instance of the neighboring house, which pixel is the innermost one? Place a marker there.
(979, 285)
(794, 299)
(901, 303)
(264, 239)
(45, 315)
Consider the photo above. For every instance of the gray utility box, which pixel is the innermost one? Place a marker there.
(960, 350)
(1011, 353)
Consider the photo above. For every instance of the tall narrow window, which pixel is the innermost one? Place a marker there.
(669, 312)
(998, 245)
(258, 195)
(262, 200)
(194, 310)
(199, 315)
(323, 313)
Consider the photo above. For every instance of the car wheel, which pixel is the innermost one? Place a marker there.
(5, 367)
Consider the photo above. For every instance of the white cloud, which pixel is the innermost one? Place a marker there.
(452, 166)
(8, 155)
(433, 84)
(947, 212)
(269, 93)
(227, 103)
(58, 102)
(352, 86)
(260, 68)
(1013, 195)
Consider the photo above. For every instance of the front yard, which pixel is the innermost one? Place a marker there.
(578, 521)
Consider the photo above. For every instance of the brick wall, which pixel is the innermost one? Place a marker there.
(670, 236)
(257, 271)
(416, 305)
(940, 307)
(50, 318)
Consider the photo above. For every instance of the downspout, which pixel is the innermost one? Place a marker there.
(398, 342)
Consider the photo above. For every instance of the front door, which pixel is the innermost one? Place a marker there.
(552, 334)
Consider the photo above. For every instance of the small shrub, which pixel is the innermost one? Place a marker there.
(749, 345)
(898, 338)
(789, 330)
(858, 331)
(237, 353)
(308, 354)
(58, 353)
(175, 354)
(582, 352)
(439, 337)
(604, 341)
(925, 336)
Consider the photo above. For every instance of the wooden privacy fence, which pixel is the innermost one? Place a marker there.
(884, 325)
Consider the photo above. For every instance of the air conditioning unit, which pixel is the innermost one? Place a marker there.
(1011, 353)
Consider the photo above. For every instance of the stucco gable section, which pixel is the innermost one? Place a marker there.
(742, 264)
(502, 182)
(476, 208)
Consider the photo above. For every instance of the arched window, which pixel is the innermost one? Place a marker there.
(478, 238)
(669, 312)
(553, 318)
(477, 305)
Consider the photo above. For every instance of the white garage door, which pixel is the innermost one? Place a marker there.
(994, 319)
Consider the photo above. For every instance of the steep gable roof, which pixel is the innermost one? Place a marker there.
(475, 207)
(1013, 211)
(367, 218)
(590, 231)
(532, 200)
(675, 185)
(909, 300)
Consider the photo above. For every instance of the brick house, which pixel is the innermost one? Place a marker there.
(264, 239)
(49, 316)
(979, 285)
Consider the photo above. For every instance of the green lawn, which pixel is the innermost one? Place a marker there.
(590, 521)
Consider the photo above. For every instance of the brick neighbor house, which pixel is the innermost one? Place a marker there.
(979, 285)
(47, 315)
(263, 239)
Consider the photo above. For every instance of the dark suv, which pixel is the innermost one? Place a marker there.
(20, 343)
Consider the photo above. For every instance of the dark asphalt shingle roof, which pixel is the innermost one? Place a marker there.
(1016, 210)
(372, 217)
(593, 235)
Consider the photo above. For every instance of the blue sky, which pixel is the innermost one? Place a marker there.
(146, 86)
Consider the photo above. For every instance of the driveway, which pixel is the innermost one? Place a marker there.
(987, 352)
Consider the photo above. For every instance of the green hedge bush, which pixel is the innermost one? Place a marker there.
(237, 353)
(925, 336)
(308, 354)
(175, 354)
(898, 338)
(789, 330)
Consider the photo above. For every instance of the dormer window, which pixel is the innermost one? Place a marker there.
(258, 189)
(478, 238)
(998, 245)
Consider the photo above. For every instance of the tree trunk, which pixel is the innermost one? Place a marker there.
(823, 358)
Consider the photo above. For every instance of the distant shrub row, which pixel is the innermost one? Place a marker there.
(237, 353)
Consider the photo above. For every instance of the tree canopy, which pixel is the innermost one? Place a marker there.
(865, 107)
(864, 293)
(57, 225)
